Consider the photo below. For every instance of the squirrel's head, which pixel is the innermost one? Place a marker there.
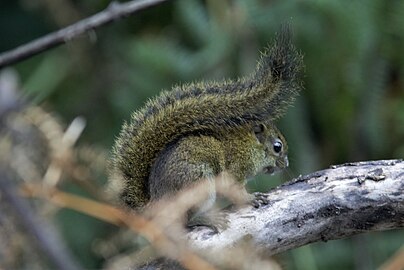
(275, 147)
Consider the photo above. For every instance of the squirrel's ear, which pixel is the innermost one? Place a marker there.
(259, 128)
(259, 132)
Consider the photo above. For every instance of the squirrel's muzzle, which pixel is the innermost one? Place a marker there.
(281, 164)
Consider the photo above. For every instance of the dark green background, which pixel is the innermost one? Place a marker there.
(352, 107)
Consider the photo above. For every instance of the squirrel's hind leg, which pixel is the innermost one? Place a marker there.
(190, 163)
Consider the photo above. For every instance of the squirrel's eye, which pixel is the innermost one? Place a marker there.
(277, 146)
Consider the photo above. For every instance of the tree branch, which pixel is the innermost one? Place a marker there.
(331, 204)
(113, 12)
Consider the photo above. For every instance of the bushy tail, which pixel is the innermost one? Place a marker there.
(278, 73)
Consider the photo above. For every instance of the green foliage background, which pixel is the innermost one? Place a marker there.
(352, 107)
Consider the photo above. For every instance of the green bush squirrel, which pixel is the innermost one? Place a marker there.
(199, 130)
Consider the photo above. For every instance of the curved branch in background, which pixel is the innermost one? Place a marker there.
(331, 204)
(113, 12)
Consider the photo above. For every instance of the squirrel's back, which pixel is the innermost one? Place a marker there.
(204, 108)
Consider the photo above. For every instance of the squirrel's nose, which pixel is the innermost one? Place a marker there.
(282, 163)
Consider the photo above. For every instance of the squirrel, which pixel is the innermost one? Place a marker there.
(199, 130)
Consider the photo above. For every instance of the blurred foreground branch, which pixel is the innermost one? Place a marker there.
(113, 12)
(42, 234)
(331, 204)
(110, 214)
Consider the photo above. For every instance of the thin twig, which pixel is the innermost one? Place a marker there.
(113, 12)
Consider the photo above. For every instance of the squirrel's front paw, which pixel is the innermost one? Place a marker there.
(259, 199)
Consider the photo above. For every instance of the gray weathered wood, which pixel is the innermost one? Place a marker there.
(335, 203)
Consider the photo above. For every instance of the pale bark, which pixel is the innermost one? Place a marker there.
(331, 204)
